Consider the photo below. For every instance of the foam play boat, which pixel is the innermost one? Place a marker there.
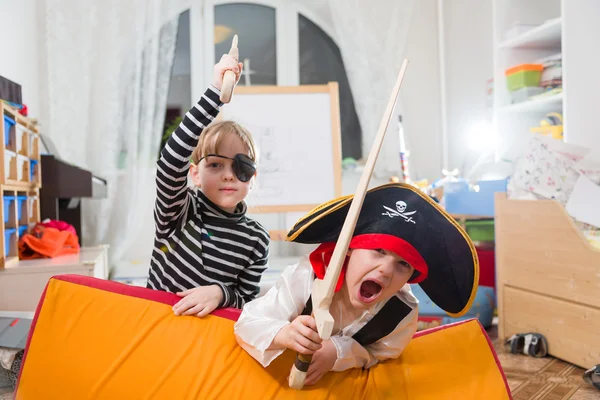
(97, 339)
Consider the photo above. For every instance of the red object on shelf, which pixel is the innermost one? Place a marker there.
(487, 267)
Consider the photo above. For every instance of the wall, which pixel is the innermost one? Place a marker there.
(468, 36)
(19, 45)
(581, 84)
(420, 94)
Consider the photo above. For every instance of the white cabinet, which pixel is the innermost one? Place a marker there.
(22, 283)
(581, 35)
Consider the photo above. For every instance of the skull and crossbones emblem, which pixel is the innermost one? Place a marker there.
(401, 206)
(400, 211)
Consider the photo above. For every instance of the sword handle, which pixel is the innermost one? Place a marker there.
(299, 370)
(228, 84)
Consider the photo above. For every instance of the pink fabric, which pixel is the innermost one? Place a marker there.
(60, 225)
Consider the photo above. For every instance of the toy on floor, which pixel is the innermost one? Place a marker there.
(592, 376)
(531, 344)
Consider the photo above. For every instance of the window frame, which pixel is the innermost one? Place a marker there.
(202, 53)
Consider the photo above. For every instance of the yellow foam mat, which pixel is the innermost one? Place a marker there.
(91, 343)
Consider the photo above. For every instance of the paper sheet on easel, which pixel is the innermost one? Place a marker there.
(582, 204)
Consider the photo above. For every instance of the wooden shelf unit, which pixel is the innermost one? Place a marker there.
(20, 181)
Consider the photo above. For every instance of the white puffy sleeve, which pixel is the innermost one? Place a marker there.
(262, 318)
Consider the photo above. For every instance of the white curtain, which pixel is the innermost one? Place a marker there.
(372, 36)
(107, 78)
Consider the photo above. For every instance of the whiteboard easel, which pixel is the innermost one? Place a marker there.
(297, 132)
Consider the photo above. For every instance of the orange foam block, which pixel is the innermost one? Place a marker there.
(95, 339)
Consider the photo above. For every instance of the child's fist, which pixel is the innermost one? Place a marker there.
(227, 63)
(322, 362)
(301, 335)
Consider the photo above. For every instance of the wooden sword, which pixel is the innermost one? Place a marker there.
(323, 290)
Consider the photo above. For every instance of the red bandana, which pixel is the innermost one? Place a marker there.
(321, 256)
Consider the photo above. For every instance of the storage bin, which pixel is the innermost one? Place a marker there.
(523, 75)
(32, 205)
(8, 236)
(8, 200)
(472, 199)
(21, 139)
(20, 206)
(523, 94)
(9, 157)
(23, 229)
(21, 166)
(31, 140)
(32, 169)
(8, 124)
(480, 230)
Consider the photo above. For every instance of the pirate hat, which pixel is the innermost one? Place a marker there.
(400, 218)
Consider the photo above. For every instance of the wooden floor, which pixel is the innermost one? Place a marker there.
(6, 394)
(547, 378)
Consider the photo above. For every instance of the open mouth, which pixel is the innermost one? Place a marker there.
(369, 291)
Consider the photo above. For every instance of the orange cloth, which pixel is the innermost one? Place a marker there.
(107, 343)
(45, 242)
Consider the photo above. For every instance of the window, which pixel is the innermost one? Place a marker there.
(255, 25)
(321, 62)
(284, 42)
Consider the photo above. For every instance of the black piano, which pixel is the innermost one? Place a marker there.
(63, 187)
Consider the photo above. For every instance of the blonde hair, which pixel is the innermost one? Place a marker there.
(212, 139)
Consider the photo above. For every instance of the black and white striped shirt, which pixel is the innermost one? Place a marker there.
(196, 243)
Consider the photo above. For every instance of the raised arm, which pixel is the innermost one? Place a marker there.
(174, 162)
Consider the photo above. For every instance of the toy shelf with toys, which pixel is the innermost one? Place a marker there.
(20, 180)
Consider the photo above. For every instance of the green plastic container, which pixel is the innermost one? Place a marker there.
(523, 75)
(480, 231)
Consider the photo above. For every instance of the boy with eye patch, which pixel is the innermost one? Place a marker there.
(206, 250)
